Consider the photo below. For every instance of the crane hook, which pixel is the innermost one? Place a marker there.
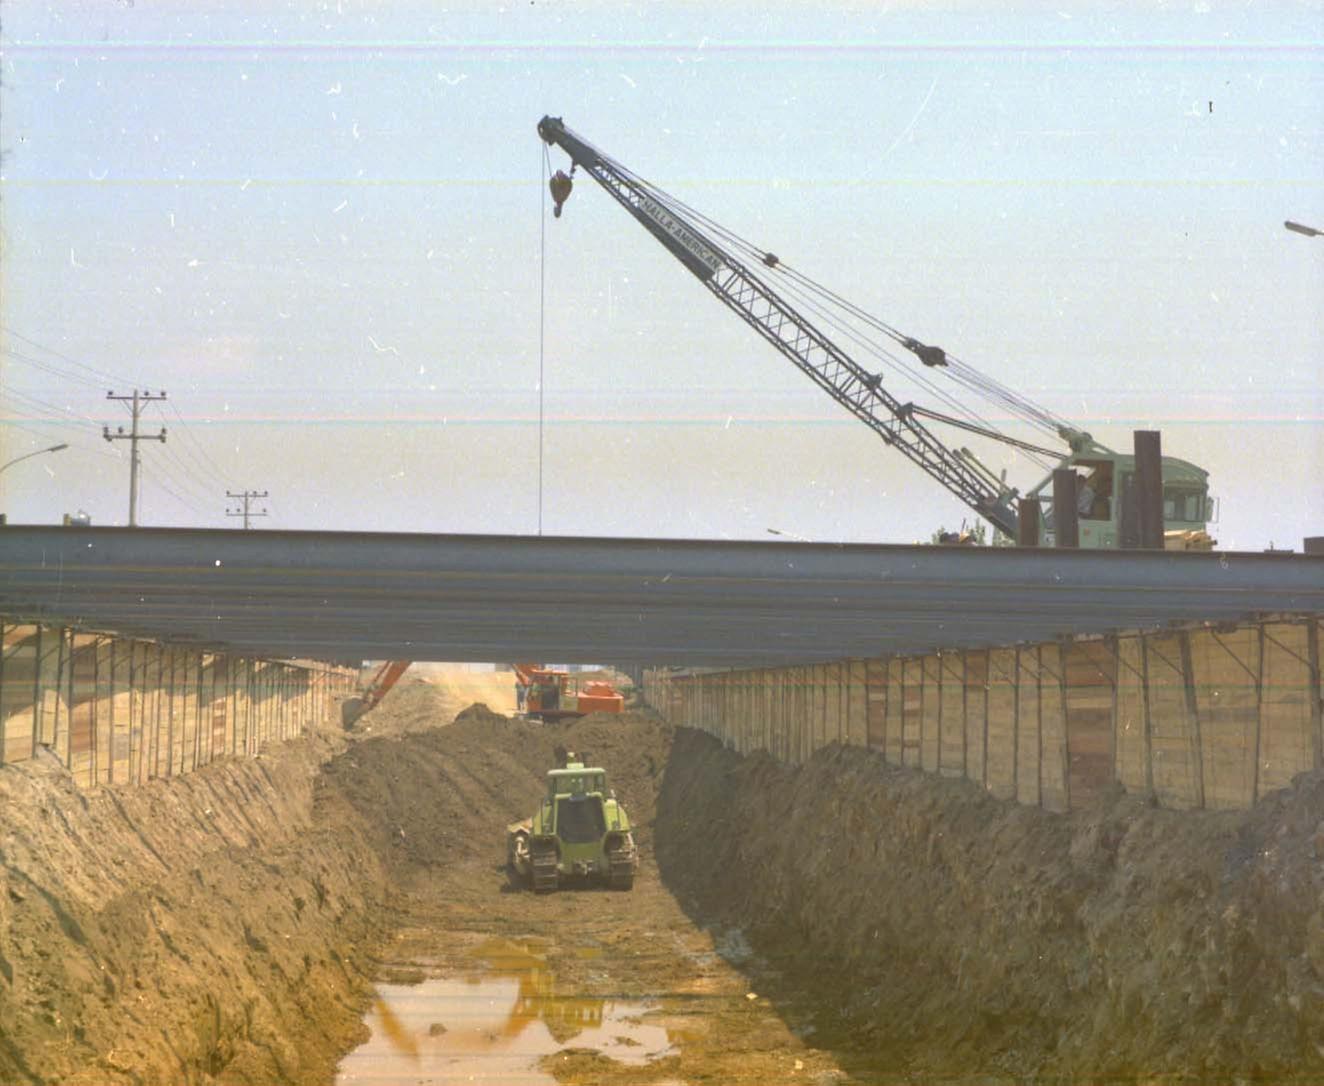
(560, 184)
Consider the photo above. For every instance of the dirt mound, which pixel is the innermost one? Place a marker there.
(411, 705)
(939, 929)
(446, 795)
(481, 716)
(430, 695)
(220, 920)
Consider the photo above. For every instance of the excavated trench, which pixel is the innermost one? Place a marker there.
(337, 911)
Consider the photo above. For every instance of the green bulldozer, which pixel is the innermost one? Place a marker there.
(579, 833)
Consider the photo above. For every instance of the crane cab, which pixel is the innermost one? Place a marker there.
(1107, 522)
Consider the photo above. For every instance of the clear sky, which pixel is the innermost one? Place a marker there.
(318, 227)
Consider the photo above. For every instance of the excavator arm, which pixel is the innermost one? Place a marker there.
(746, 293)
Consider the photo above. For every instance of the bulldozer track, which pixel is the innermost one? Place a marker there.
(621, 862)
(544, 878)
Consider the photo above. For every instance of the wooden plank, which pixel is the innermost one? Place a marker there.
(1287, 744)
(1130, 750)
(18, 692)
(833, 709)
(1225, 668)
(201, 706)
(1002, 684)
(1174, 772)
(786, 714)
(82, 710)
(912, 693)
(50, 688)
(805, 719)
(1029, 749)
(154, 710)
(876, 704)
(1053, 774)
(1088, 668)
(931, 713)
(16, 635)
(132, 666)
(976, 715)
(825, 730)
(121, 709)
(857, 692)
(767, 682)
(951, 714)
(896, 716)
(1314, 628)
(1193, 717)
(104, 715)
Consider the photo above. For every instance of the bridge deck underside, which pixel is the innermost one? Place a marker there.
(343, 595)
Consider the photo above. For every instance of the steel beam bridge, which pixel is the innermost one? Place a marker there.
(359, 595)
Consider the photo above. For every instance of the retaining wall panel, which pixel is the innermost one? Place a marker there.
(1226, 670)
(951, 714)
(1053, 773)
(1029, 753)
(1173, 740)
(1002, 683)
(857, 695)
(976, 715)
(1090, 668)
(1286, 740)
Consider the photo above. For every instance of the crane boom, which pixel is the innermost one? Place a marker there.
(750, 297)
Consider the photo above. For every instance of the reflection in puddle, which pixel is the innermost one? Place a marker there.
(493, 1025)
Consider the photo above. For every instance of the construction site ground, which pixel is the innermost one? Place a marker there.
(338, 910)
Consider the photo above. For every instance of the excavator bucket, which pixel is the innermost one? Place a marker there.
(378, 686)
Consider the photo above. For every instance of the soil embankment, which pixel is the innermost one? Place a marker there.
(221, 921)
(916, 923)
(843, 921)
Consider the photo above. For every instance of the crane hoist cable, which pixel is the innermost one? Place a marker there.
(818, 299)
(982, 385)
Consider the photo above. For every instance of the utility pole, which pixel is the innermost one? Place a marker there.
(137, 400)
(246, 497)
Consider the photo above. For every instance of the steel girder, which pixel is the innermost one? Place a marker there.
(351, 595)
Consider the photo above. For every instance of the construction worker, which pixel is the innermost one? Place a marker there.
(519, 697)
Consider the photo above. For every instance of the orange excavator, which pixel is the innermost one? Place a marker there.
(548, 694)
(381, 682)
(551, 695)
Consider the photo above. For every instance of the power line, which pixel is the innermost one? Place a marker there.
(196, 443)
(182, 481)
(52, 369)
(182, 500)
(33, 401)
(29, 425)
(72, 361)
(200, 476)
(207, 469)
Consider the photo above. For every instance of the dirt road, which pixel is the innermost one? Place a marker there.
(487, 982)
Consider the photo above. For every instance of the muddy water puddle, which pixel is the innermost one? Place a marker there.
(494, 1022)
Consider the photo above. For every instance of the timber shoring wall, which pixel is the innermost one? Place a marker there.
(118, 710)
(1207, 716)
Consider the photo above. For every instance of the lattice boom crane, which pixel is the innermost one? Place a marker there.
(750, 297)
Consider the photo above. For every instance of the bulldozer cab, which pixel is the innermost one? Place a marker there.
(580, 819)
(574, 779)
